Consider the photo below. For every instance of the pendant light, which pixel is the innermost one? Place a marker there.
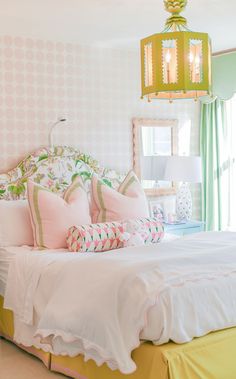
(176, 64)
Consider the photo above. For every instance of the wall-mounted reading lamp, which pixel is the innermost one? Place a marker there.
(50, 137)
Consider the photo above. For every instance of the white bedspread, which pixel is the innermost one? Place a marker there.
(6, 255)
(101, 305)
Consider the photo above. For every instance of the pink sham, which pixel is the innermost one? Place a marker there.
(111, 205)
(52, 216)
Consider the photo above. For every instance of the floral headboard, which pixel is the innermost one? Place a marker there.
(54, 168)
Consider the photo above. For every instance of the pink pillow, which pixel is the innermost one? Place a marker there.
(111, 205)
(95, 237)
(52, 216)
(15, 225)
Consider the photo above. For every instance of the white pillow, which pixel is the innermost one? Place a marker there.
(15, 225)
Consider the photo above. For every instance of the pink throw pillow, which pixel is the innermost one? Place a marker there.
(111, 205)
(95, 237)
(52, 216)
(15, 225)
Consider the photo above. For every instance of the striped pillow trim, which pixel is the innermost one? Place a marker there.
(102, 214)
(35, 213)
(35, 208)
(71, 189)
(98, 194)
(126, 184)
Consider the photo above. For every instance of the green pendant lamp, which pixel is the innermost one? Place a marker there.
(176, 64)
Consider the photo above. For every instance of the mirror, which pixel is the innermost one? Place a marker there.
(153, 141)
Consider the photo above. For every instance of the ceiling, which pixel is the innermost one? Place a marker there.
(113, 23)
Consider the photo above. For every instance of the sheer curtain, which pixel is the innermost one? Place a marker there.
(218, 150)
(231, 122)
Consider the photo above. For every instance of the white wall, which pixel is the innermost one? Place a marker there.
(97, 89)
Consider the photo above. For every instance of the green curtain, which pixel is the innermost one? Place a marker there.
(215, 151)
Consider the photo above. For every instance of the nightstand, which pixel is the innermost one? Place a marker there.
(182, 229)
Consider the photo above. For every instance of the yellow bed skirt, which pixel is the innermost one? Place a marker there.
(7, 331)
(209, 357)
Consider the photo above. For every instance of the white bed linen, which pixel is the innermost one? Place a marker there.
(102, 304)
(8, 252)
(4, 264)
(6, 255)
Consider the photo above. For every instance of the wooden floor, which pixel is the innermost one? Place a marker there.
(17, 364)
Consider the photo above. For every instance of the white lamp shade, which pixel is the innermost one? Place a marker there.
(153, 167)
(183, 169)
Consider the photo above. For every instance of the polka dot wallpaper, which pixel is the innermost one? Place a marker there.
(96, 89)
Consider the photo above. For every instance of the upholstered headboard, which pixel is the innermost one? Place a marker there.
(54, 168)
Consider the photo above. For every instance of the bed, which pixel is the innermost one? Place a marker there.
(210, 356)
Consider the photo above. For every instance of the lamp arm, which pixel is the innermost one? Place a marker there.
(50, 135)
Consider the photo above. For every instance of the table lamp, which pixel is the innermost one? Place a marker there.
(185, 169)
(153, 167)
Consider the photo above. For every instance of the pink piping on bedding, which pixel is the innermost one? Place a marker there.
(63, 370)
(31, 350)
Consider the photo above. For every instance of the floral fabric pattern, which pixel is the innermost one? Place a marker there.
(54, 168)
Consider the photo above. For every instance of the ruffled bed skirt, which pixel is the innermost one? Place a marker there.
(211, 356)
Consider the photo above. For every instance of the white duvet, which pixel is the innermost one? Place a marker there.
(101, 305)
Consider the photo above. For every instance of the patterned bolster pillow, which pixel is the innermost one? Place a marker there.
(108, 236)
(150, 228)
(95, 237)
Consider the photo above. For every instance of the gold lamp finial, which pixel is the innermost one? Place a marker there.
(175, 7)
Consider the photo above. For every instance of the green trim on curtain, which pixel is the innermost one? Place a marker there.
(214, 147)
